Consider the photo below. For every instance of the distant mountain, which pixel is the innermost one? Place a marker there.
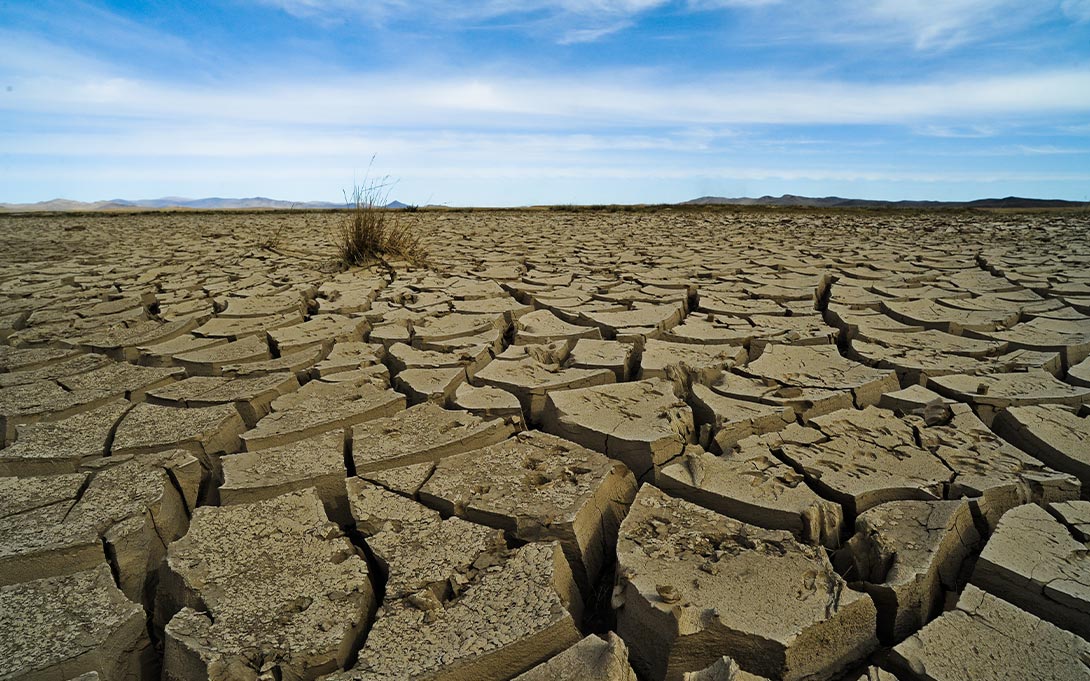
(838, 202)
(165, 202)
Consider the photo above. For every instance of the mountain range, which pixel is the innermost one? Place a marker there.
(790, 200)
(165, 202)
(838, 202)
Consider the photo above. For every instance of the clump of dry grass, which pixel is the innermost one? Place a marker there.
(373, 233)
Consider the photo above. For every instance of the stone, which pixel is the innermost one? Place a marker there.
(538, 487)
(316, 462)
(985, 637)
(423, 433)
(907, 555)
(320, 407)
(642, 424)
(750, 484)
(1033, 562)
(62, 627)
(1050, 433)
(799, 621)
(592, 659)
(269, 587)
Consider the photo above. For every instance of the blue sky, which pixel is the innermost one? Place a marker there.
(545, 101)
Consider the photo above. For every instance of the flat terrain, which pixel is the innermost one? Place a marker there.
(684, 444)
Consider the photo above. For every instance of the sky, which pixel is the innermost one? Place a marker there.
(503, 103)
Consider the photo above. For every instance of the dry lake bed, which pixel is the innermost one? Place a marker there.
(699, 444)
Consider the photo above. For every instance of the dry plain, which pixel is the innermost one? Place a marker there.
(700, 444)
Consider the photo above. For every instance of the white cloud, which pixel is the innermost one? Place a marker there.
(447, 11)
(602, 101)
(572, 21)
(957, 131)
(589, 35)
(1079, 10)
(926, 25)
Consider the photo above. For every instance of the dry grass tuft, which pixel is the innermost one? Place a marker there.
(372, 233)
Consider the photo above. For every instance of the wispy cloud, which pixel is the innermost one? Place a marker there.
(605, 99)
(589, 35)
(447, 91)
(924, 24)
(1079, 10)
(571, 21)
(943, 25)
(958, 131)
(56, 82)
(1051, 150)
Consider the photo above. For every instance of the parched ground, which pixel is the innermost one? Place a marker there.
(663, 444)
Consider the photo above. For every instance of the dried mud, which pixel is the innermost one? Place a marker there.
(597, 445)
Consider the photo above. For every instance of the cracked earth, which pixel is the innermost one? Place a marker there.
(682, 445)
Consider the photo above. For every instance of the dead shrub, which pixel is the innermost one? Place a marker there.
(373, 233)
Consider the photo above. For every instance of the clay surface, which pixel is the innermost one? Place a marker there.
(684, 442)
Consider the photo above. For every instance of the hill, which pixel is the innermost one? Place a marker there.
(838, 202)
